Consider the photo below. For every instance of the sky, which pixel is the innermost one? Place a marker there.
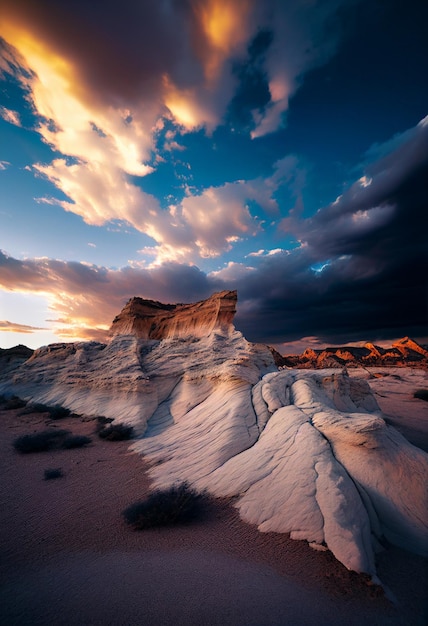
(176, 148)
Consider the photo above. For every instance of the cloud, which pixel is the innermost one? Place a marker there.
(371, 243)
(4, 165)
(359, 273)
(380, 216)
(178, 55)
(218, 216)
(297, 347)
(299, 43)
(13, 327)
(85, 297)
(10, 116)
(100, 106)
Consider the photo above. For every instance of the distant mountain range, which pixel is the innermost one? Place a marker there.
(403, 353)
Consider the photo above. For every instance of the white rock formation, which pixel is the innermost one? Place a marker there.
(306, 452)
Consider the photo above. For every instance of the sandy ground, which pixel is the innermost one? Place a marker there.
(393, 389)
(67, 558)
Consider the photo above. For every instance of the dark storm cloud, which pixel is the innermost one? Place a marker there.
(389, 198)
(373, 242)
(121, 49)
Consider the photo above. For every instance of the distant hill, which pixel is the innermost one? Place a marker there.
(403, 353)
(10, 358)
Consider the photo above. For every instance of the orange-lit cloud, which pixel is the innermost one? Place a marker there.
(218, 216)
(100, 105)
(12, 327)
(185, 106)
(226, 27)
(83, 299)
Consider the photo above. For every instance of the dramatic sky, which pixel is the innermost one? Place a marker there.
(169, 149)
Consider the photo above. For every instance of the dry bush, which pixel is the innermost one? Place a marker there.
(177, 505)
(421, 394)
(40, 442)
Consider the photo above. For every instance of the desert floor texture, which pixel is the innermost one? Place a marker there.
(67, 557)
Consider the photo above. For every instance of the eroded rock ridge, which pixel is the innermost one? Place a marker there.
(402, 353)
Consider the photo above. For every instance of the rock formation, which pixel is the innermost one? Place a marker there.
(147, 319)
(305, 452)
(10, 358)
(402, 353)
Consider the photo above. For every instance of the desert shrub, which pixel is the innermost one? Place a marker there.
(422, 394)
(75, 441)
(53, 473)
(55, 411)
(14, 403)
(102, 421)
(177, 505)
(39, 442)
(58, 412)
(36, 407)
(116, 432)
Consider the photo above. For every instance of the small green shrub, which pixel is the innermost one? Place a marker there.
(75, 441)
(422, 394)
(39, 442)
(51, 474)
(177, 505)
(116, 432)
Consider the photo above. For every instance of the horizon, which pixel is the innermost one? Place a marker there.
(286, 349)
(169, 151)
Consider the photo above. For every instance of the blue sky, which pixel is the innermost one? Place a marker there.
(173, 149)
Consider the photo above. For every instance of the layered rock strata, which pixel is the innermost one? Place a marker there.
(147, 319)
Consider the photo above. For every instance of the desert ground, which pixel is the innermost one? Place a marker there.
(68, 558)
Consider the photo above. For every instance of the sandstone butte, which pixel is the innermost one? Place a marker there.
(303, 451)
(148, 319)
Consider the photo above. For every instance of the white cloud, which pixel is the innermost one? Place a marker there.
(10, 116)
(233, 272)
